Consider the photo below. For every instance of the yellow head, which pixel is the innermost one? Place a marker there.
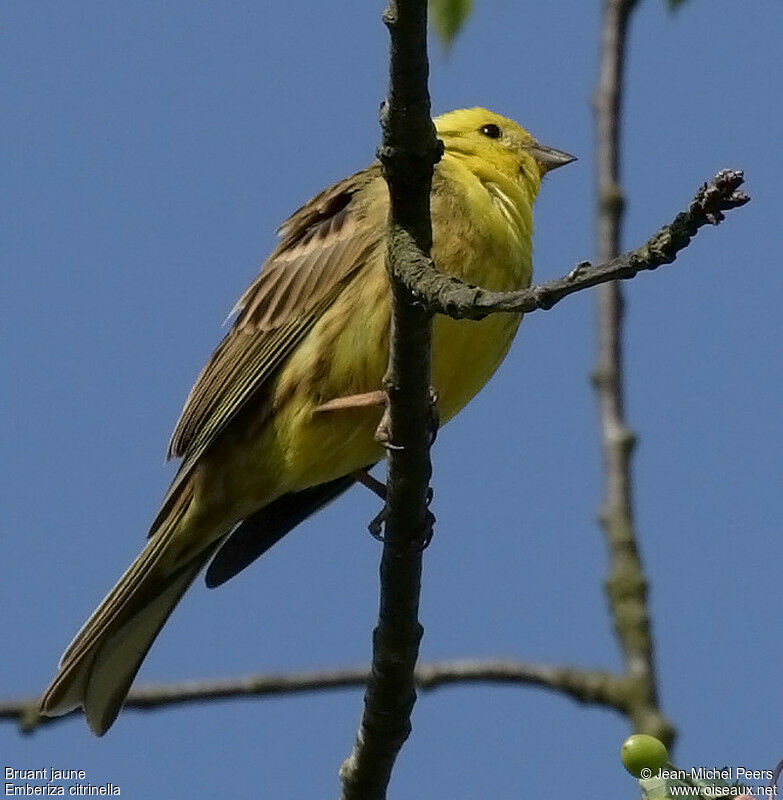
(483, 137)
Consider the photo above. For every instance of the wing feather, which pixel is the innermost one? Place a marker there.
(322, 246)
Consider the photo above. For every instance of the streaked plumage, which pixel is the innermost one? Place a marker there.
(257, 457)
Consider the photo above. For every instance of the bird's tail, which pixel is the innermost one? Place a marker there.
(97, 669)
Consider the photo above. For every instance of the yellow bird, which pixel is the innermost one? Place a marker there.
(261, 446)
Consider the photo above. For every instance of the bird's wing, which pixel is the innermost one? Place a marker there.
(322, 245)
(258, 532)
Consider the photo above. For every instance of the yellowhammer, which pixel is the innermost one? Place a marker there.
(261, 447)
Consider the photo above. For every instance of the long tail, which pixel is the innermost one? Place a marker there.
(97, 669)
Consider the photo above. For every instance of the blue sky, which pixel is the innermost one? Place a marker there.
(149, 151)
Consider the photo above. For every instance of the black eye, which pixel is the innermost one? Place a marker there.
(491, 130)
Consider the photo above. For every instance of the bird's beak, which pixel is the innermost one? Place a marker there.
(549, 158)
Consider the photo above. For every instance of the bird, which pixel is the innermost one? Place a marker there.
(268, 434)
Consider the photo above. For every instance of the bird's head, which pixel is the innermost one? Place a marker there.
(483, 136)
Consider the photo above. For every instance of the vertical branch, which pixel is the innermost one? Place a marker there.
(408, 153)
(626, 585)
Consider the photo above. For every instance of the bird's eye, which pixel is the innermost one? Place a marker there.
(491, 130)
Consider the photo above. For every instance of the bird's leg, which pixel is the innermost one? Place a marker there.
(380, 398)
(382, 435)
(372, 483)
(366, 400)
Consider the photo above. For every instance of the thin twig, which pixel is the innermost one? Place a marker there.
(626, 585)
(408, 153)
(444, 294)
(583, 685)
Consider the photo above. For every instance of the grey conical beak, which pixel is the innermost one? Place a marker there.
(549, 158)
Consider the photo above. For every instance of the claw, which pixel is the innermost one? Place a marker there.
(423, 542)
(417, 545)
(383, 434)
(376, 524)
(434, 416)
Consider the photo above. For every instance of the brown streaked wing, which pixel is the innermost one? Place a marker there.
(319, 246)
(322, 245)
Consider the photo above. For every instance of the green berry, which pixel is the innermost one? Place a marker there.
(642, 752)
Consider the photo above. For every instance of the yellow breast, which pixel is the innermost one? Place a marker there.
(493, 250)
(465, 355)
(346, 353)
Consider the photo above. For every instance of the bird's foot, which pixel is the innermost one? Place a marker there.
(383, 431)
(376, 524)
(427, 529)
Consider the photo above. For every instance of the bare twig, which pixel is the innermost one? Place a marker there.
(408, 154)
(583, 685)
(444, 294)
(626, 586)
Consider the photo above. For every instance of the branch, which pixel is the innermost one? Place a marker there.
(626, 586)
(585, 686)
(443, 294)
(408, 153)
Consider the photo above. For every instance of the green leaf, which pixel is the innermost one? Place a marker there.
(448, 16)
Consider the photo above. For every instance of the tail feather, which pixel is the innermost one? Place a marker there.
(123, 649)
(98, 667)
(116, 599)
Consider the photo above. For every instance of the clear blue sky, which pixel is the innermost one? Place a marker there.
(150, 149)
